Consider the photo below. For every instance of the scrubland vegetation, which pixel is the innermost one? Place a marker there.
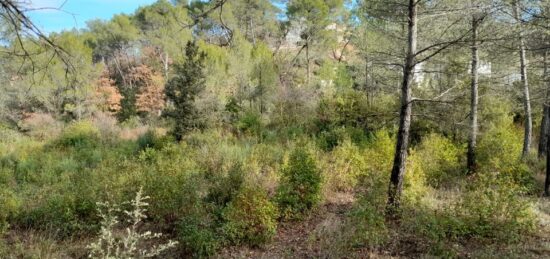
(183, 131)
(214, 190)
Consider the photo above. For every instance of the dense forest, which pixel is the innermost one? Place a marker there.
(278, 129)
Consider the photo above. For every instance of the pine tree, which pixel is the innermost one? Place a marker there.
(182, 89)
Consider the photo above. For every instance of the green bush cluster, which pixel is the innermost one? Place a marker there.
(489, 210)
(300, 185)
(343, 167)
(55, 180)
(151, 139)
(438, 158)
(250, 217)
(214, 189)
(79, 134)
(198, 187)
(9, 206)
(499, 150)
(251, 123)
(241, 215)
(199, 235)
(340, 117)
(366, 223)
(493, 207)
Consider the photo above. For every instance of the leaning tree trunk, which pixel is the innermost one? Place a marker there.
(398, 171)
(545, 124)
(526, 99)
(473, 99)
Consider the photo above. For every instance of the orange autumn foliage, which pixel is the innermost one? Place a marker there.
(150, 97)
(107, 97)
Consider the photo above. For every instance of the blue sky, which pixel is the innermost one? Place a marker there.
(75, 13)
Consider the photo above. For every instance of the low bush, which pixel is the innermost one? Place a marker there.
(300, 185)
(263, 163)
(171, 177)
(225, 187)
(378, 160)
(250, 217)
(330, 139)
(152, 139)
(251, 123)
(438, 158)
(343, 167)
(199, 235)
(493, 207)
(56, 213)
(436, 233)
(499, 150)
(9, 207)
(366, 223)
(489, 210)
(79, 134)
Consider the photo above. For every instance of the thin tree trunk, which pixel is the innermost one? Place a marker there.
(253, 33)
(367, 86)
(526, 99)
(544, 129)
(545, 124)
(166, 58)
(261, 92)
(474, 99)
(398, 171)
(307, 64)
(547, 181)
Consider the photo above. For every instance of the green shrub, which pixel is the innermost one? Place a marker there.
(345, 164)
(367, 224)
(171, 177)
(300, 185)
(378, 160)
(439, 159)
(250, 217)
(499, 150)
(251, 123)
(328, 140)
(146, 140)
(346, 108)
(490, 210)
(56, 213)
(493, 207)
(226, 187)
(435, 232)
(79, 134)
(198, 233)
(151, 139)
(380, 152)
(9, 207)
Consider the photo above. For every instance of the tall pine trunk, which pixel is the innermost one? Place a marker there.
(526, 99)
(398, 171)
(547, 181)
(473, 99)
(547, 130)
(545, 123)
(544, 130)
